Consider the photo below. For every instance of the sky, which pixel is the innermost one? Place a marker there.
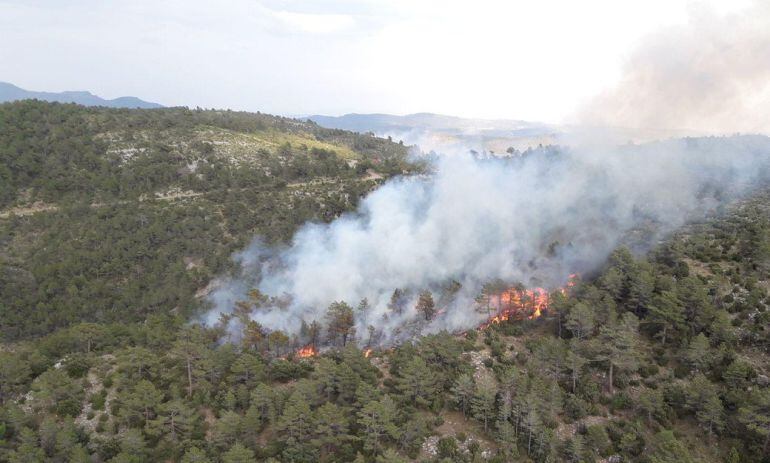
(537, 60)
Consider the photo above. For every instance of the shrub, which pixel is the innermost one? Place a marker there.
(77, 365)
(648, 369)
(574, 407)
(620, 401)
(598, 440)
(98, 400)
(447, 447)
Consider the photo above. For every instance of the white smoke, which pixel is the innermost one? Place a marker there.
(711, 75)
(533, 219)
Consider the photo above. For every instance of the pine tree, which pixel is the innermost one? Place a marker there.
(253, 335)
(262, 404)
(188, 350)
(239, 454)
(397, 302)
(575, 449)
(195, 455)
(297, 420)
(331, 427)
(755, 416)
(248, 369)
(619, 346)
(28, 450)
(711, 414)
(483, 401)
(278, 340)
(575, 362)
(141, 403)
(227, 430)
(79, 454)
(651, 404)
(132, 443)
(138, 363)
(462, 392)
(506, 437)
(613, 281)
(391, 456)
(698, 353)
(377, 421)
(580, 321)
(666, 311)
(425, 305)
(417, 382)
(667, 449)
(641, 286)
(175, 422)
(697, 306)
(340, 322)
(363, 307)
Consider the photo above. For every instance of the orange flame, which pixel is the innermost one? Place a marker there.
(367, 353)
(521, 304)
(306, 352)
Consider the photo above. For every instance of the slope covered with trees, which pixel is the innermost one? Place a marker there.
(655, 358)
(110, 215)
(660, 358)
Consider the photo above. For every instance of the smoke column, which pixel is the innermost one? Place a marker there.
(709, 76)
(534, 218)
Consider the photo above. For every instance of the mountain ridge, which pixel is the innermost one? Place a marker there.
(10, 92)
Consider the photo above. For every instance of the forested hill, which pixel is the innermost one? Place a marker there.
(658, 359)
(112, 220)
(114, 214)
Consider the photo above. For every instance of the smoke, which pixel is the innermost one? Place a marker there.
(709, 76)
(534, 219)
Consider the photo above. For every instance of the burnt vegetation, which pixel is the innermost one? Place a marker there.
(661, 357)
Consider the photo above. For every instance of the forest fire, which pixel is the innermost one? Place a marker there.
(307, 352)
(517, 303)
(367, 353)
(521, 303)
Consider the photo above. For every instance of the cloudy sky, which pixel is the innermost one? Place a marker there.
(528, 59)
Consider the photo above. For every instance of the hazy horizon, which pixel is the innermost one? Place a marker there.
(489, 61)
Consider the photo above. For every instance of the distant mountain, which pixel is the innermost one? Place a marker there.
(440, 132)
(10, 92)
(389, 122)
(456, 134)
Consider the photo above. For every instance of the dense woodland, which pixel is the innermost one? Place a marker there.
(661, 357)
(139, 209)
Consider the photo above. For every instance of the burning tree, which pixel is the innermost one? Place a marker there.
(516, 301)
(310, 333)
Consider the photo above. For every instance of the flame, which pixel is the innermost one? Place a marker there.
(367, 353)
(306, 352)
(518, 303)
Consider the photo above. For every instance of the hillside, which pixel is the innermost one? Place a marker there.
(656, 359)
(114, 223)
(10, 92)
(113, 214)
